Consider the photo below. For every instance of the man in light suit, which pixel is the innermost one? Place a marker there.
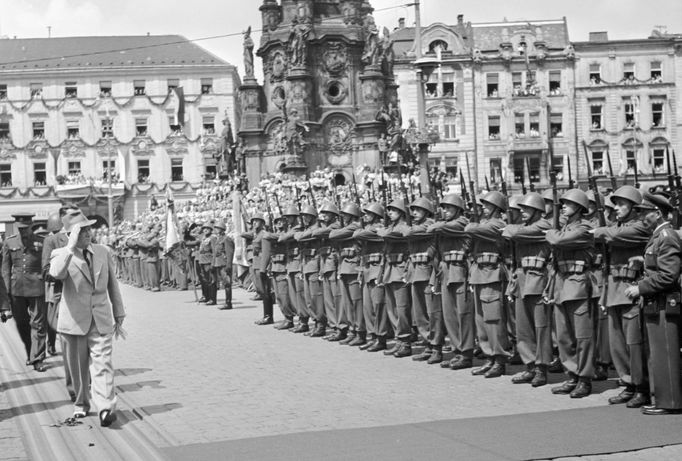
(90, 310)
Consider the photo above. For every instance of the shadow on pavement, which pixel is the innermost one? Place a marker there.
(34, 408)
(157, 409)
(131, 371)
(155, 384)
(28, 381)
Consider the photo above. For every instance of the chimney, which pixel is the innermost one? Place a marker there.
(599, 36)
(460, 19)
(401, 23)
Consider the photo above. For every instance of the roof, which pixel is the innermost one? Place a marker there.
(138, 51)
(488, 36)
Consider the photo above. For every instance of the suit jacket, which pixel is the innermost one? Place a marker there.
(84, 299)
(53, 289)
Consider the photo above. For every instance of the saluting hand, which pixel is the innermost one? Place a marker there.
(73, 237)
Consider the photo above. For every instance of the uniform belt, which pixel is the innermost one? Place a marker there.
(533, 262)
(454, 256)
(571, 266)
(420, 258)
(487, 258)
(395, 258)
(372, 258)
(278, 258)
(348, 252)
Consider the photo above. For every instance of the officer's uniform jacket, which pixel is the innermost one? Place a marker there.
(371, 252)
(278, 252)
(397, 252)
(309, 249)
(348, 248)
(532, 256)
(223, 251)
(627, 241)
(453, 248)
(291, 249)
(22, 267)
(205, 254)
(573, 248)
(329, 257)
(149, 248)
(133, 248)
(422, 247)
(487, 261)
(661, 264)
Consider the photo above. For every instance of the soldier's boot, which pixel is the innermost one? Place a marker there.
(424, 356)
(583, 389)
(319, 332)
(540, 378)
(405, 350)
(526, 377)
(625, 395)
(369, 342)
(436, 355)
(393, 350)
(555, 366)
(601, 372)
(301, 328)
(287, 324)
(359, 340)
(567, 386)
(339, 336)
(379, 345)
(640, 399)
(348, 339)
(483, 369)
(497, 370)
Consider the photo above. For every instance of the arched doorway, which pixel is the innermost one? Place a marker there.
(100, 221)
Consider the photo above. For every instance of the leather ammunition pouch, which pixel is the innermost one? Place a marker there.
(420, 258)
(372, 258)
(487, 259)
(395, 258)
(598, 260)
(293, 252)
(278, 258)
(571, 266)
(533, 263)
(348, 252)
(454, 257)
(325, 251)
(309, 252)
(669, 302)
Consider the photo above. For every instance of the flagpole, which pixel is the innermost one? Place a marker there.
(110, 202)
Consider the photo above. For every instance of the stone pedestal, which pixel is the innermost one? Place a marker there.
(372, 93)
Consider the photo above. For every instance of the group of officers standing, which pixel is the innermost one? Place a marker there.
(499, 280)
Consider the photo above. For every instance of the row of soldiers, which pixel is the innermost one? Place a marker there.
(500, 277)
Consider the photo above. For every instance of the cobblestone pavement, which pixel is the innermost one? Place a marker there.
(195, 374)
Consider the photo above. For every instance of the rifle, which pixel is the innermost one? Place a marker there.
(675, 198)
(614, 183)
(279, 207)
(571, 183)
(487, 184)
(524, 191)
(355, 189)
(634, 161)
(383, 197)
(531, 186)
(678, 185)
(312, 195)
(552, 180)
(475, 217)
(267, 204)
(463, 187)
(298, 203)
(403, 189)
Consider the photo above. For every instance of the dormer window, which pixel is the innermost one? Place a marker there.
(105, 88)
(70, 90)
(139, 87)
(629, 71)
(72, 131)
(36, 90)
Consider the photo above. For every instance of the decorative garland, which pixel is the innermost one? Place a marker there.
(50, 191)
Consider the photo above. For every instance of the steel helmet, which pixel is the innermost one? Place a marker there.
(291, 210)
(628, 193)
(220, 225)
(376, 209)
(309, 210)
(453, 200)
(514, 202)
(576, 196)
(352, 209)
(329, 207)
(533, 200)
(54, 222)
(548, 194)
(608, 203)
(495, 198)
(424, 204)
(398, 204)
(590, 196)
(256, 216)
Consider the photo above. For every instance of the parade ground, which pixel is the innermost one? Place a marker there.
(198, 383)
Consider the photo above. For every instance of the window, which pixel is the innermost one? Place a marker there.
(492, 81)
(556, 125)
(175, 128)
(596, 117)
(595, 74)
(5, 175)
(139, 87)
(448, 85)
(657, 119)
(519, 125)
(140, 127)
(4, 131)
(109, 166)
(74, 168)
(208, 125)
(558, 167)
(534, 125)
(656, 72)
(630, 156)
(555, 82)
(659, 159)
(36, 90)
(629, 71)
(172, 83)
(449, 128)
(431, 86)
(210, 172)
(494, 127)
(142, 170)
(598, 162)
(451, 166)
(107, 127)
(629, 115)
(3, 91)
(176, 169)
(70, 90)
(38, 130)
(206, 85)
(105, 88)
(517, 83)
(496, 170)
(72, 131)
(39, 176)
(526, 166)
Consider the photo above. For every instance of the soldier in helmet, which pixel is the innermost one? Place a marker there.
(349, 270)
(310, 270)
(397, 290)
(659, 290)
(22, 274)
(533, 315)
(625, 242)
(336, 318)
(487, 277)
(610, 210)
(293, 266)
(548, 197)
(260, 261)
(277, 270)
(205, 262)
(223, 253)
(514, 210)
(574, 312)
(451, 278)
(372, 262)
(420, 268)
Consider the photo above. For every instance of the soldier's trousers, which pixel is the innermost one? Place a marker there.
(627, 343)
(295, 286)
(603, 352)
(398, 309)
(263, 287)
(664, 367)
(30, 315)
(575, 327)
(420, 311)
(312, 291)
(164, 270)
(533, 330)
(282, 294)
(152, 274)
(374, 309)
(137, 277)
(209, 288)
(491, 321)
(351, 302)
(459, 318)
(330, 292)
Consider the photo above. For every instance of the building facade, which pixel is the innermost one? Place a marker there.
(80, 113)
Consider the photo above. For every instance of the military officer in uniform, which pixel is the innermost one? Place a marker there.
(223, 253)
(293, 266)
(310, 270)
(277, 270)
(261, 258)
(22, 274)
(205, 260)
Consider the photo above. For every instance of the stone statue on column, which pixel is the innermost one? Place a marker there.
(248, 54)
(298, 42)
(371, 52)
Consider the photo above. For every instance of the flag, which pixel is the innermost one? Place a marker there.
(172, 234)
(180, 106)
(238, 226)
(122, 162)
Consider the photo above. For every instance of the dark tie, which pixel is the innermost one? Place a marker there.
(86, 256)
